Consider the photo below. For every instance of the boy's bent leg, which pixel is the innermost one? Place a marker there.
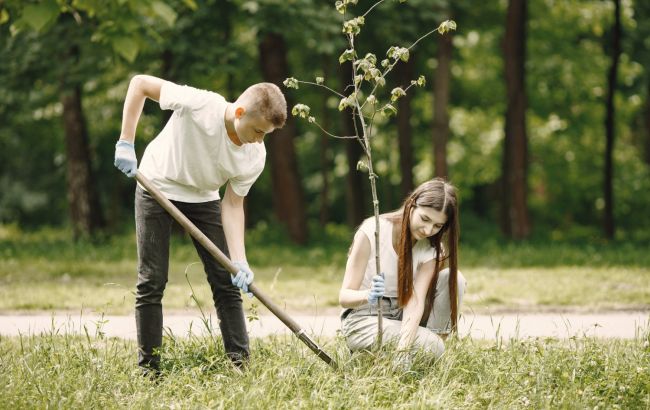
(153, 226)
(227, 297)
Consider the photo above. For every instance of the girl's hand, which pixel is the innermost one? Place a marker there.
(376, 289)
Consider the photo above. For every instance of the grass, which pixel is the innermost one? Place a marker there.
(64, 371)
(45, 270)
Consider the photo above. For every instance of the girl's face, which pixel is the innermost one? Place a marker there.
(426, 222)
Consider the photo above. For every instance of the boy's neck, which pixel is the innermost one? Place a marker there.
(229, 120)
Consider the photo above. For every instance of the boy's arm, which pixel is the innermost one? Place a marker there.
(232, 218)
(141, 87)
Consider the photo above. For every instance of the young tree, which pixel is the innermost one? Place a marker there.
(363, 101)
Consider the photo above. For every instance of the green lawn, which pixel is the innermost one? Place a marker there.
(73, 372)
(44, 270)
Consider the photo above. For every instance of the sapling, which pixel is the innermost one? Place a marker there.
(363, 103)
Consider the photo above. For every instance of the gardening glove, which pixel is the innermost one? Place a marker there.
(244, 277)
(376, 289)
(125, 159)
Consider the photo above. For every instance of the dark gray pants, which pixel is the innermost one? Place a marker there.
(153, 228)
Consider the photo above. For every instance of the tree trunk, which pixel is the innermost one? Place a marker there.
(515, 219)
(647, 121)
(441, 86)
(287, 192)
(325, 162)
(404, 129)
(85, 210)
(609, 124)
(354, 180)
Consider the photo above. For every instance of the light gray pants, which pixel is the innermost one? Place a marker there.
(359, 326)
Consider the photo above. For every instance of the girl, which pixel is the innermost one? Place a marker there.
(420, 301)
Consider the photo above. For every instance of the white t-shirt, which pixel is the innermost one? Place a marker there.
(193, 157)
(422, 253)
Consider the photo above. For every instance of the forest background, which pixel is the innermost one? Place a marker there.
(574, 73)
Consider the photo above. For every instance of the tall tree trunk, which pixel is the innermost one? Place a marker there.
(515, 219)
(226, 14)
(441, 86)
(354, 180)
(287, 192)
(85, 210)
(608, 220)
(647, 121)
(404, 129)
(325, 161)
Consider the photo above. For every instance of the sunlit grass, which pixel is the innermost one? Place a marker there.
(92, 372)
(45, 270)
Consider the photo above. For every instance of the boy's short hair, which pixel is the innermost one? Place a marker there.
(267, 100)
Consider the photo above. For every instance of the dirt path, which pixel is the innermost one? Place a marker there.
(625, 325)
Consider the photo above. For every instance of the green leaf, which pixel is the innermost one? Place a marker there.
(300, 110)
(4, 16)
(446, 26)
(39, 15)
(125, 47)
(191, 4)
(291, 83)
(396, 93)
(347, 55)
(165, 12)
(353, 26)
(388, 110)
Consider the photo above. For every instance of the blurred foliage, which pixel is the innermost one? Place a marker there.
(213, 45)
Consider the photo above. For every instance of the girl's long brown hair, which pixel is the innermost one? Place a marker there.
(441, 196)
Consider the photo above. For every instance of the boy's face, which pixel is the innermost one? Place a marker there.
(252, 128)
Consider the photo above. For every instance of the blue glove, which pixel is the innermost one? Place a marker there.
(376, 289)
(244, 277)
(125, 159)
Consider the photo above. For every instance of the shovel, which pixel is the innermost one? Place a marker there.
(226, 263)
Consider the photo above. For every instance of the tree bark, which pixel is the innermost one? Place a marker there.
(354, 180)
(288, 199)
(404, 129)
(83, 202)
(608, 221)
(441, 86)
(325, 161)
(515, 219)
(647, 121)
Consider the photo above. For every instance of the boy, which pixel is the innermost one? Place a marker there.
(206, 143)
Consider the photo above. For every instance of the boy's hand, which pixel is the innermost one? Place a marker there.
(376, 289)
(125, 159)
(244, 277)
